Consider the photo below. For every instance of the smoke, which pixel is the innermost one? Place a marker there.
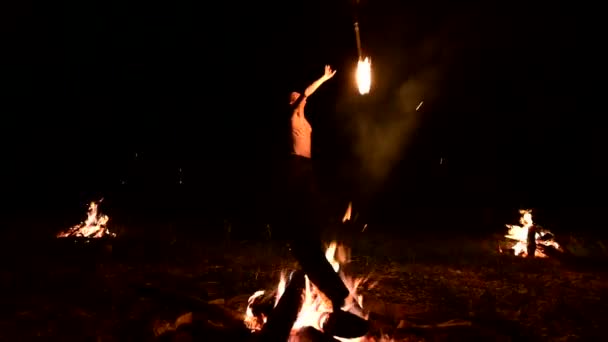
(385, 122)
(383, 131)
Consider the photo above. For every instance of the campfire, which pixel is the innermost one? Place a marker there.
(95, 225)
(530, 235)
(315, 306)
(295, 310)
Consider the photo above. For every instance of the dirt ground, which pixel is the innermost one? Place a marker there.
(121, 290)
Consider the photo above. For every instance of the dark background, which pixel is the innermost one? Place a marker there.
(112, 99)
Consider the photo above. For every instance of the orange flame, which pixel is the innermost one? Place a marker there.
(316, 306)
(251, 321)
(348, 213)
(93, 227)
(520, 234)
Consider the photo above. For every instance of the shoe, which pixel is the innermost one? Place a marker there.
(345, 325)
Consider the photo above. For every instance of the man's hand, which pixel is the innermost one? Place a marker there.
(316, 84)
(328, 73)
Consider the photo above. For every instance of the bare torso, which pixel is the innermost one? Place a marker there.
(301, 133)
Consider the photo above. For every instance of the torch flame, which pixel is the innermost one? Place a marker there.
(364, 75)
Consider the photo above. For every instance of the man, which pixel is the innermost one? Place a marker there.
(303, 224)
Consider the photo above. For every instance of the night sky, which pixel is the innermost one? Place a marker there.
(113, 98)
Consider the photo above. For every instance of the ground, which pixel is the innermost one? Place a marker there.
(120, 289)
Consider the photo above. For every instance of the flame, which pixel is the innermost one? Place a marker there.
(93, 227)
(252, 321)
(315, 306)
(520, 234)
(364, 75)
(348, 213)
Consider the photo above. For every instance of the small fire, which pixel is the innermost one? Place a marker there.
(364, 75)
(95, 226)
(520, 234)
(316, 306)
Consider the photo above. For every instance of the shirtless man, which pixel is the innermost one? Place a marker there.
(303, 211)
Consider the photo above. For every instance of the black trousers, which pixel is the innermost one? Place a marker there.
(303, 209)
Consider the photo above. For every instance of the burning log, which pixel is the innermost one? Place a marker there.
(205, 327)
(316, 309)
(531, 245)
(282, 318)
(310, 334)
(204, 321)
(199, 327)
(345, 324)
(552, 252)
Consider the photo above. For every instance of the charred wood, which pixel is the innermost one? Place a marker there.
(531, 248)
(282, 318)
(310, 334)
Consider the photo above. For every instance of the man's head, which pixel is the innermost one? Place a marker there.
(294, 97)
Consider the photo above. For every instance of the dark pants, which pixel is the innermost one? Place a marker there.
(302, 227)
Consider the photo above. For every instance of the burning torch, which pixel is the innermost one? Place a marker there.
(364, 68)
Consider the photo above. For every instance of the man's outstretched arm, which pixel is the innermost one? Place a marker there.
(316, 84)
(311, 88)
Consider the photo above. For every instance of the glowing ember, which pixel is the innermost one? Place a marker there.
(520, 234)
(93, 227)
(364, 75)
(316, 306)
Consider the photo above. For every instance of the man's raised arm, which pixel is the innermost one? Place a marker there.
(316, 84)
(311, 88)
